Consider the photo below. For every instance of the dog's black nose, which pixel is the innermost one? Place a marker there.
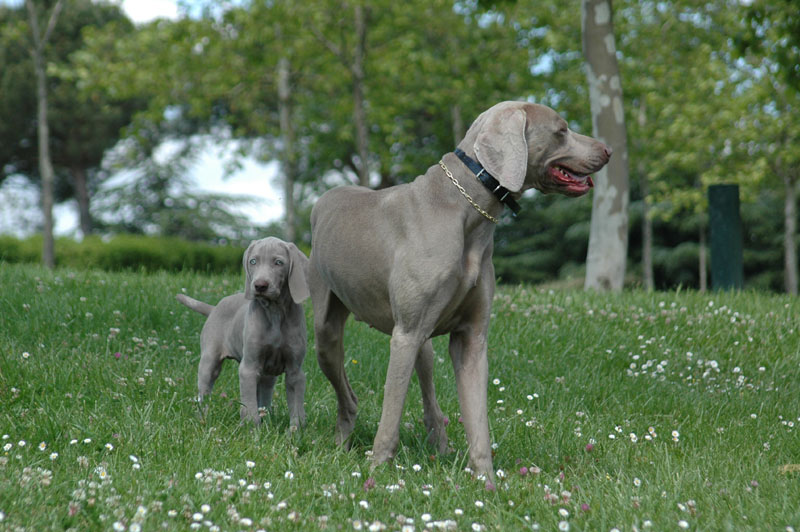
(261, 286)
(608, 151)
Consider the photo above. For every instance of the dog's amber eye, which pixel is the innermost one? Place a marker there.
(252, 261)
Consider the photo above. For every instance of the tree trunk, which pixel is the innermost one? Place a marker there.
(359, 104)
(288, 155)
(458, 124)
(82, 195)
(789, 235)
(702, 262)
(45, 163)
(608, 237)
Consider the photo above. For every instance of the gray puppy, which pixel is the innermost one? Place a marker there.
(264, 329)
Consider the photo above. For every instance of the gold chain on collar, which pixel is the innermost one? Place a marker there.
(464, 192)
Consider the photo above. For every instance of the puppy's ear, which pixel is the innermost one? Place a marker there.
(502, 149)
(248, 279)
(298, 286)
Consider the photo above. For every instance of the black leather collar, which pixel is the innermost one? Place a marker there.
(494, 186)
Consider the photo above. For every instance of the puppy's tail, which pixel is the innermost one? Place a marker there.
(198, 306)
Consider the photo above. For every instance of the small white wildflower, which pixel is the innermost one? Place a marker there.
(637, 481)
(459, 512)
(118, 527)
(53, 456)
(42, 446)
(250, 464)
(205, 508)
(563, 526)
(197, 516)
(416, 467)
(288, 475)
(479, 504)
(683, 524)
(563, 512)
(246, 521)
(364, 504)
(426, 517)
(109, 447)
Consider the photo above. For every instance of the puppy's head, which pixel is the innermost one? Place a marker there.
(272, 267)
(525, 145)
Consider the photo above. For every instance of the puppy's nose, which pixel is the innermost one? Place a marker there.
(608, 151)
(261, 286)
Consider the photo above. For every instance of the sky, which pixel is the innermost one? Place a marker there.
(19, 200)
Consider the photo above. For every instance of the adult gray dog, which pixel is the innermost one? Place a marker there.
(415, 261)
(264, 329)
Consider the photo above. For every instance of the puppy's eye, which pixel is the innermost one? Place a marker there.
(278, 262)
(252, 261)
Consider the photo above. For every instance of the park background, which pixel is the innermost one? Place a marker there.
(305, 96)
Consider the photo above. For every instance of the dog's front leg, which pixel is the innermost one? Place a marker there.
(468, 351)
(295, 393)
(249, 377)
(402, 356)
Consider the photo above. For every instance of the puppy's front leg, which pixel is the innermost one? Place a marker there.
(295, 393)
(249, 376)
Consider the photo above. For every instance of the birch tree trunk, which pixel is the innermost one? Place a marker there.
(359, 104)
(789, 235)
(608, 237)
(288, 155)
(458, 124)
(82, 195)
(45, 163)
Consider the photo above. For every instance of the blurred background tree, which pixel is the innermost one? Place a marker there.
(375, 92)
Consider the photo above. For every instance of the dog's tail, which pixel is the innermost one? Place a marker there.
(198, 306)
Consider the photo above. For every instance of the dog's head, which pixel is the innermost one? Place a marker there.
(272, 266)
(525, 145)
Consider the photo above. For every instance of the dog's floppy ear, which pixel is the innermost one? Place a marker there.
(248, 279)
(298, 286)
(502, 149)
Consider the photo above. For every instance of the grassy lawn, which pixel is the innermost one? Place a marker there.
(633, 411)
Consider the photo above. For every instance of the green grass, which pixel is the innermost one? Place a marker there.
(101, 358)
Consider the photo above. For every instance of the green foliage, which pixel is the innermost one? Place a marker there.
(128, 253)
(91, 358)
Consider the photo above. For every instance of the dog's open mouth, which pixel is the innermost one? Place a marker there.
(569, 178)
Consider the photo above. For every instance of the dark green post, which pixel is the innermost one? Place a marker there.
(727, 271)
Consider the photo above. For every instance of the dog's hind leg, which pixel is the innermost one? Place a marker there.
(330, 315)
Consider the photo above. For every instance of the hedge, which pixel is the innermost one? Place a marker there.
(127, 252)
